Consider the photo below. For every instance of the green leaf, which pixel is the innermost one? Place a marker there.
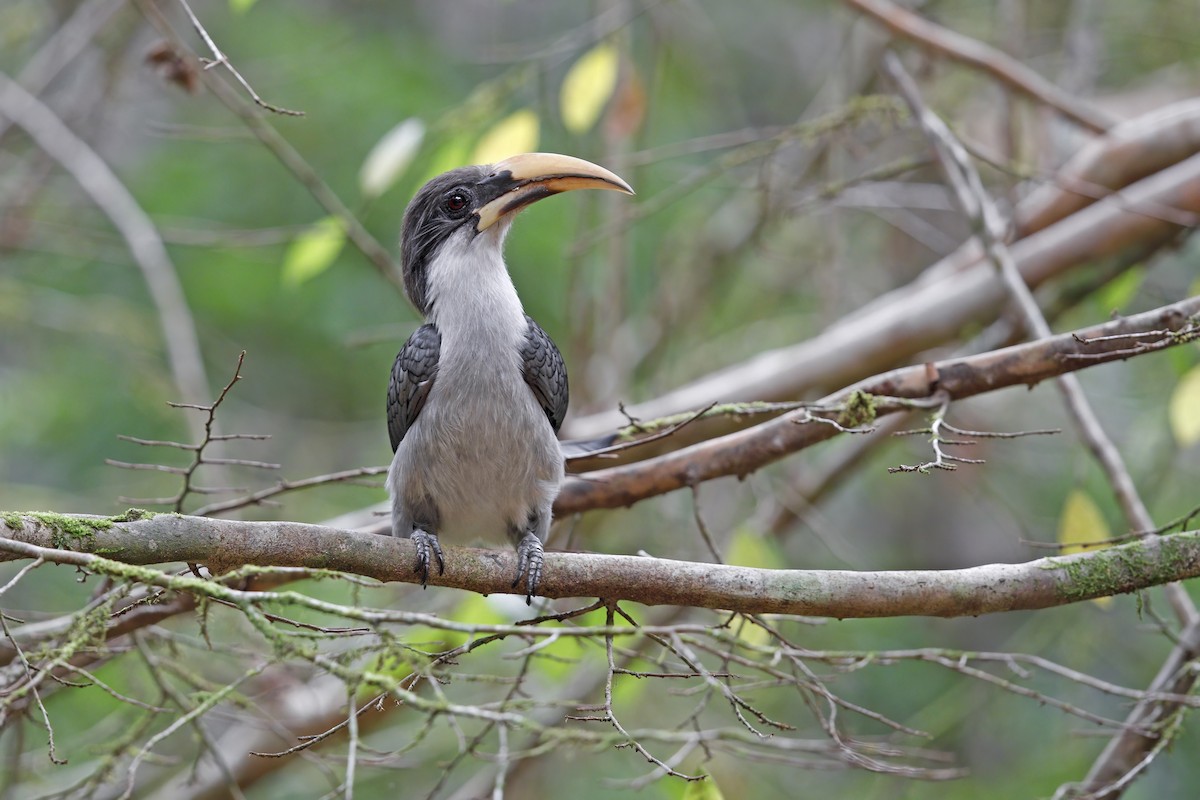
(587, 87)
(754, 636)
(313, 251)
(392, 662)
(241, 6)
(516, 133)
(478, 610)
(1184, 409)
(1117, 293)
(559, 660)
(749, 548)
(390, 156)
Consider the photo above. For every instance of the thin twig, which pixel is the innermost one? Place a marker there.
(221, 59)
(284, 486)
(358, 235)
(704, 533)
(633, 443)
(25, 570)
(976, 54)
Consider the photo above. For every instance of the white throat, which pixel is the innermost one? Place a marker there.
(472, 297)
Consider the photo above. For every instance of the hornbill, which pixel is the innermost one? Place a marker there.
(478, 392)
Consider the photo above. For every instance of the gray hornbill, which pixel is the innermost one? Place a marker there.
(478, 392)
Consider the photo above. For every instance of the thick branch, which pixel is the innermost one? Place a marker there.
(1129, 152)
(1042, 583)
(745, 451)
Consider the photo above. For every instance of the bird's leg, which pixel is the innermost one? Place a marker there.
(426, 543)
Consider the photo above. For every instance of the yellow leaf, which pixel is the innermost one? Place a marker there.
(587, 87)
(706, 789)
(313, 251)
(516, 133)
(390, 156)
(1184, 409)
(1081, 522)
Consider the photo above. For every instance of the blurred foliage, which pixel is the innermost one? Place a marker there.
(716, 263)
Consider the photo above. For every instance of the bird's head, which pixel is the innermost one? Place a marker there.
(478, 204)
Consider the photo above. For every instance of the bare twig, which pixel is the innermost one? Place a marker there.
(944, 460)
(634, 443)
(21, 573)
(703, 528)
(220, 59)
(285, 486)
(199, 458)
(358, 235)
(184, 705)
(609, 715)
(991, 229)
(974, 53)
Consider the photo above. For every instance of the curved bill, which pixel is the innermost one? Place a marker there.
(527, 178)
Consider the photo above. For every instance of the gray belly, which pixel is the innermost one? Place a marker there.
(484, 454)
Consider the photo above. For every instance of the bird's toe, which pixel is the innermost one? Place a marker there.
(530, 556)
(428, 547)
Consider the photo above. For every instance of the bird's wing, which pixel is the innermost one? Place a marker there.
(545, 372)
(412, 377)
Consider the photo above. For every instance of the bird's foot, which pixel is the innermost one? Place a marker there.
(427, 543)
(529, 565)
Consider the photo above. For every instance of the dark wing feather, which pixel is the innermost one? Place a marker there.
(412, 377)
(545, 372)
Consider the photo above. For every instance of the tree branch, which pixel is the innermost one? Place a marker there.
(974, 53)
(748, 450)
(1042, 583)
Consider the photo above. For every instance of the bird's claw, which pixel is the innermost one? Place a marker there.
(425, 543)
(529, 565)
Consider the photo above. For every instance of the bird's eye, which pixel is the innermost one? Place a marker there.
(455, 202)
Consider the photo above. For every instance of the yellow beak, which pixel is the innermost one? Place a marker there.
(527, 178)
